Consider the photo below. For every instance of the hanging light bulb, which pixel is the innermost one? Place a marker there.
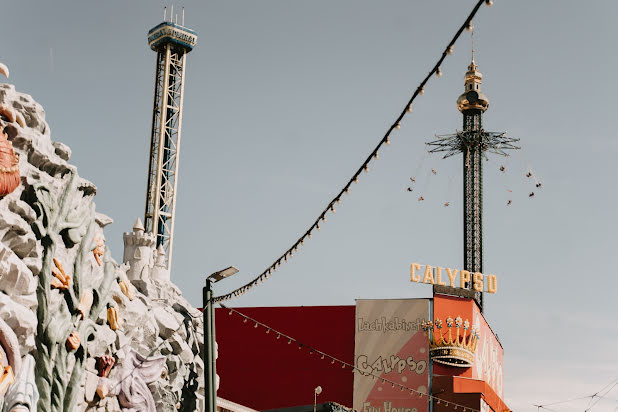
(469, 26)
(409, 108)
(377, 155)
(356, 179)
(332, 362)
(388, 140)
(309, 235)
(230, 313)
(332, 208)
(289, 341)
(347, 189)
(278, 335)
(317, 226)
(338, 200)
(300, 346)
(421, 91)
(267, 331)
(449, 50)
(256, 325)
(489, 3)
(322, 357)
(366, 168)
(245, 320)
(439, 72)
(343, 366)
(397, 125)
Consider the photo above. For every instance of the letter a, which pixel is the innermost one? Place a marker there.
(428, 278)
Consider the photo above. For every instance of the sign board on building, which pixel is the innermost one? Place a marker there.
(390, 344)
(487, 365)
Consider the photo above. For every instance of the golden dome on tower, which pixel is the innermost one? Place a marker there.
(473, 98)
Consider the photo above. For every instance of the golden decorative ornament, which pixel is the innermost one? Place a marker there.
(9, 166)
(98, 250)
(7, 377)
(112, 317)
(102, 390)
(60, 280)
(126, 289)
(73, 341)
(85, 303)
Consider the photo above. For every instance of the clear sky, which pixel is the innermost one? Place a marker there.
(285, 98)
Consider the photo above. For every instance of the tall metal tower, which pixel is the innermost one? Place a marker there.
(473, 142)
(172, 42)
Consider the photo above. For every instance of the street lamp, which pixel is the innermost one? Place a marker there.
(210, 369)
(316, 392)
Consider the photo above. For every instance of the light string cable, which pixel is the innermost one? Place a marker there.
(591, 397)
(330, 208)
(344, 364)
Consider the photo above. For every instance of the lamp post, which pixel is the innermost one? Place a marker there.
(210, 369)
(316, 392)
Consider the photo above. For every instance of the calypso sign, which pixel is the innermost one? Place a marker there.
(435, 276)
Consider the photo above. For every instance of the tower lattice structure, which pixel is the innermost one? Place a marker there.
(171, 42)
(474, 143)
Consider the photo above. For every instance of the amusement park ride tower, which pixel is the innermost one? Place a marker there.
(473, 142)
(172, 42)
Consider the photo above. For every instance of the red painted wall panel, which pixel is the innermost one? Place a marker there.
(262, 372)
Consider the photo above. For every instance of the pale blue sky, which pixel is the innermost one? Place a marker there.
(283, 101)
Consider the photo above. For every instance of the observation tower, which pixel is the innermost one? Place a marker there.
(171, 42)
(474, 143)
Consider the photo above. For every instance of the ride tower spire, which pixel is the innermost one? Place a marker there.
(474, 143)
(171, 42)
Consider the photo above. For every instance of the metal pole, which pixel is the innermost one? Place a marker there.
(210, 368)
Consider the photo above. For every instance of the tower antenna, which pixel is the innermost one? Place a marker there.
(183, 16)
(472, 37)
(164, 12)
(171, 43)
(172, 14)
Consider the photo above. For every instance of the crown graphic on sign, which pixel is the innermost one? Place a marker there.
(455, 348)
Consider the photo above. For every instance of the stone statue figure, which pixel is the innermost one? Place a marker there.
(129, 380)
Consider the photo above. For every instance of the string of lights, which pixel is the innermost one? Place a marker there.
(364, 168)
(344, 365)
